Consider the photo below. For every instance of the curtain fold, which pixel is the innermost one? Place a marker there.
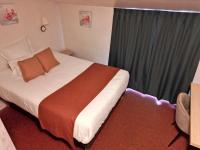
(160, 49)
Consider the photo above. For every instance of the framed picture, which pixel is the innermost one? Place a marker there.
(8, 14)
(85, 18)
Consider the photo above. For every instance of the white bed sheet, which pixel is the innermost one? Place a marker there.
(29, 95)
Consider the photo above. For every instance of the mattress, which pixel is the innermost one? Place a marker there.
(28, 95)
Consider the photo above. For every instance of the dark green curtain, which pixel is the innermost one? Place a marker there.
(160, 49)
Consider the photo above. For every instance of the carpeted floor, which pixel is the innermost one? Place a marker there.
(139, 122)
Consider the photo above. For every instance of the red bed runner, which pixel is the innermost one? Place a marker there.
(58, 112)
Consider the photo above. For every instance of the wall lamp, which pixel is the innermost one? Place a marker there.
(43, 28)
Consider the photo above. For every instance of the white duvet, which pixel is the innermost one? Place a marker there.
(29, 95)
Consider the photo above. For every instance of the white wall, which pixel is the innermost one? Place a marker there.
(30, 13)
(89, 43)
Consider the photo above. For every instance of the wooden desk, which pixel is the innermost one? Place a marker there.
(5, 140)
(2, 104)
(195, 115)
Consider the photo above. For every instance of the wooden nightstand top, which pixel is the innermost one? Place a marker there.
(67, 52)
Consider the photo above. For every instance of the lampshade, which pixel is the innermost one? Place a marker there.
(44, 21)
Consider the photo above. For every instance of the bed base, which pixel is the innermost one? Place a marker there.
(87, 146)
(82, 146)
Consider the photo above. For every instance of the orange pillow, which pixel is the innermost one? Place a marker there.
(30, 68)
(47, 59)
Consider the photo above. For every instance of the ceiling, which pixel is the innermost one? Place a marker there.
(160, 4)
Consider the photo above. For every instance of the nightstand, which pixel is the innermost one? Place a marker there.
(67, 52)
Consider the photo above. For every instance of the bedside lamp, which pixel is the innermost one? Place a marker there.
(43, 28)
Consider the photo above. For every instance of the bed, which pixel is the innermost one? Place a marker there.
(28, 95)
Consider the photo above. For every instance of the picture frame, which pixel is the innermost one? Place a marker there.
(85, 19)
(8, 14)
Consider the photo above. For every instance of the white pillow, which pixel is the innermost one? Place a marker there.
(5, 140)
(14, 65)
(18, 49)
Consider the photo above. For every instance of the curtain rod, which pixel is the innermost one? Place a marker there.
(159, 9)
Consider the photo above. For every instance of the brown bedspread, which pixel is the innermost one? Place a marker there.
(58, 112)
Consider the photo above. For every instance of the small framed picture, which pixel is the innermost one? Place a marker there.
(8, 14)
(85, 19)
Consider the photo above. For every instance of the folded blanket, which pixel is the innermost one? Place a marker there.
(58, 112)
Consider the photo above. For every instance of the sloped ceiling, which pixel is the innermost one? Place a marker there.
(160, 4)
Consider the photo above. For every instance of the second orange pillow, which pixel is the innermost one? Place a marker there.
(47, 59)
